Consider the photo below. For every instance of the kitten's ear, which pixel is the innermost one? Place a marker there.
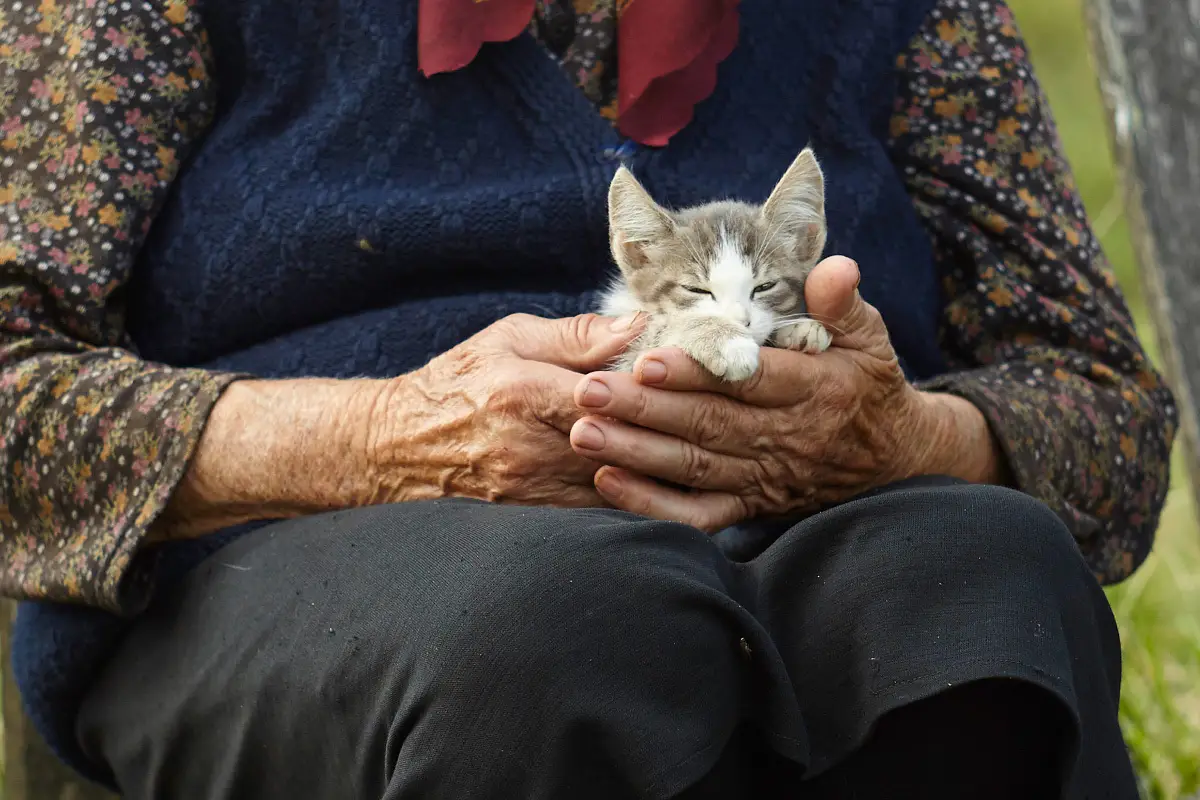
(797, 205)
(634, 219)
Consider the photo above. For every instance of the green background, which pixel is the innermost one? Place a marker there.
(1158, 609)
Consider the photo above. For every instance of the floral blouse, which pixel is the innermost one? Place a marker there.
(101, 101)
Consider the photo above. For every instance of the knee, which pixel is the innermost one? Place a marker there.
(577, 619)
(991, 529)
(580, 586)
(1013, 524)
(465, 578)
(588, 638)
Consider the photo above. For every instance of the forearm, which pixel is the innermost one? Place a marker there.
(957, 441)
(277, 449)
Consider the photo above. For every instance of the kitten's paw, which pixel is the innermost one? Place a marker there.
(734, 360)
(807, 335)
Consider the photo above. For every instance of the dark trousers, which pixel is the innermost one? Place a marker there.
(929, 640)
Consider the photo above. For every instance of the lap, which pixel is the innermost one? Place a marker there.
(401, 644)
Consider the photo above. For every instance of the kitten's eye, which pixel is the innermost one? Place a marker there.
(696, 290)
(765, 287)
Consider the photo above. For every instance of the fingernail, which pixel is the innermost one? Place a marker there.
(653, 371)
(608, 485)
(857, 280)
(588, 436)
(595, 395)
(621, 324)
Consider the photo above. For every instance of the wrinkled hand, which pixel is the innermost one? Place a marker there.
(803, 432)
(490, 418)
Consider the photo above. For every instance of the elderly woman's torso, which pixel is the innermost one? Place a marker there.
(372, 217)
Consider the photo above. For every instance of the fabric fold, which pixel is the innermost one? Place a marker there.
(450, 32)
(668, 52)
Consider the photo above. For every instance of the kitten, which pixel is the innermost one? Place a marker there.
(720, 279)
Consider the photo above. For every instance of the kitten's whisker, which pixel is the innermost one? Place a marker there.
(823, 319)
(783, 323)
(694, 252)
(793, 317)
(765, 254)
(807, 315)
(759, 254)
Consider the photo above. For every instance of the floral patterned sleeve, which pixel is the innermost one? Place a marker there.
(1040, 337)
(99, 103)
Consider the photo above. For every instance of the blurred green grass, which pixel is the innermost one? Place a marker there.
(1158, 609)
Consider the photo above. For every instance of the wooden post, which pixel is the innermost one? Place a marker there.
(31, 771)
(1147, 54)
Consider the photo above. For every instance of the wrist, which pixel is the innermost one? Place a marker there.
(276, 449)
(954, 439)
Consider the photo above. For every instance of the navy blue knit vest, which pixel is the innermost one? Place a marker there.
(346, 216)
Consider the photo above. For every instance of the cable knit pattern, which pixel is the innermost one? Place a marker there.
(346, 217)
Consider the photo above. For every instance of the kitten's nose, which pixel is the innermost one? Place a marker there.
(740, 315)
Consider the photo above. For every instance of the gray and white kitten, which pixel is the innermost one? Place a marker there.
(720, 279)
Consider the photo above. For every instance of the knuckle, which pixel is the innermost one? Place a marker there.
(639, 405)
(775, 496)
(509, 325)
(638, 503)
(759, 481)
(696, 465)
(579, 328)
(585, 322)
(709, 422)
(518, 319)
(710, 520)
(504, 332)
(839, 392)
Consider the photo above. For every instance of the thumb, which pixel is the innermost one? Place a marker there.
(582, 344)
(831, 294)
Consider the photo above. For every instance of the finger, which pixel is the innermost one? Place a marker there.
(783, 377)
(708, 420)
(548, 392)
(583, 343)
(832, 297)
(829, 288)
(660, 456)
(708, 511)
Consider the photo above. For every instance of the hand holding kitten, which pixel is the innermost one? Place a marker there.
(489, 418)
(804, 432)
